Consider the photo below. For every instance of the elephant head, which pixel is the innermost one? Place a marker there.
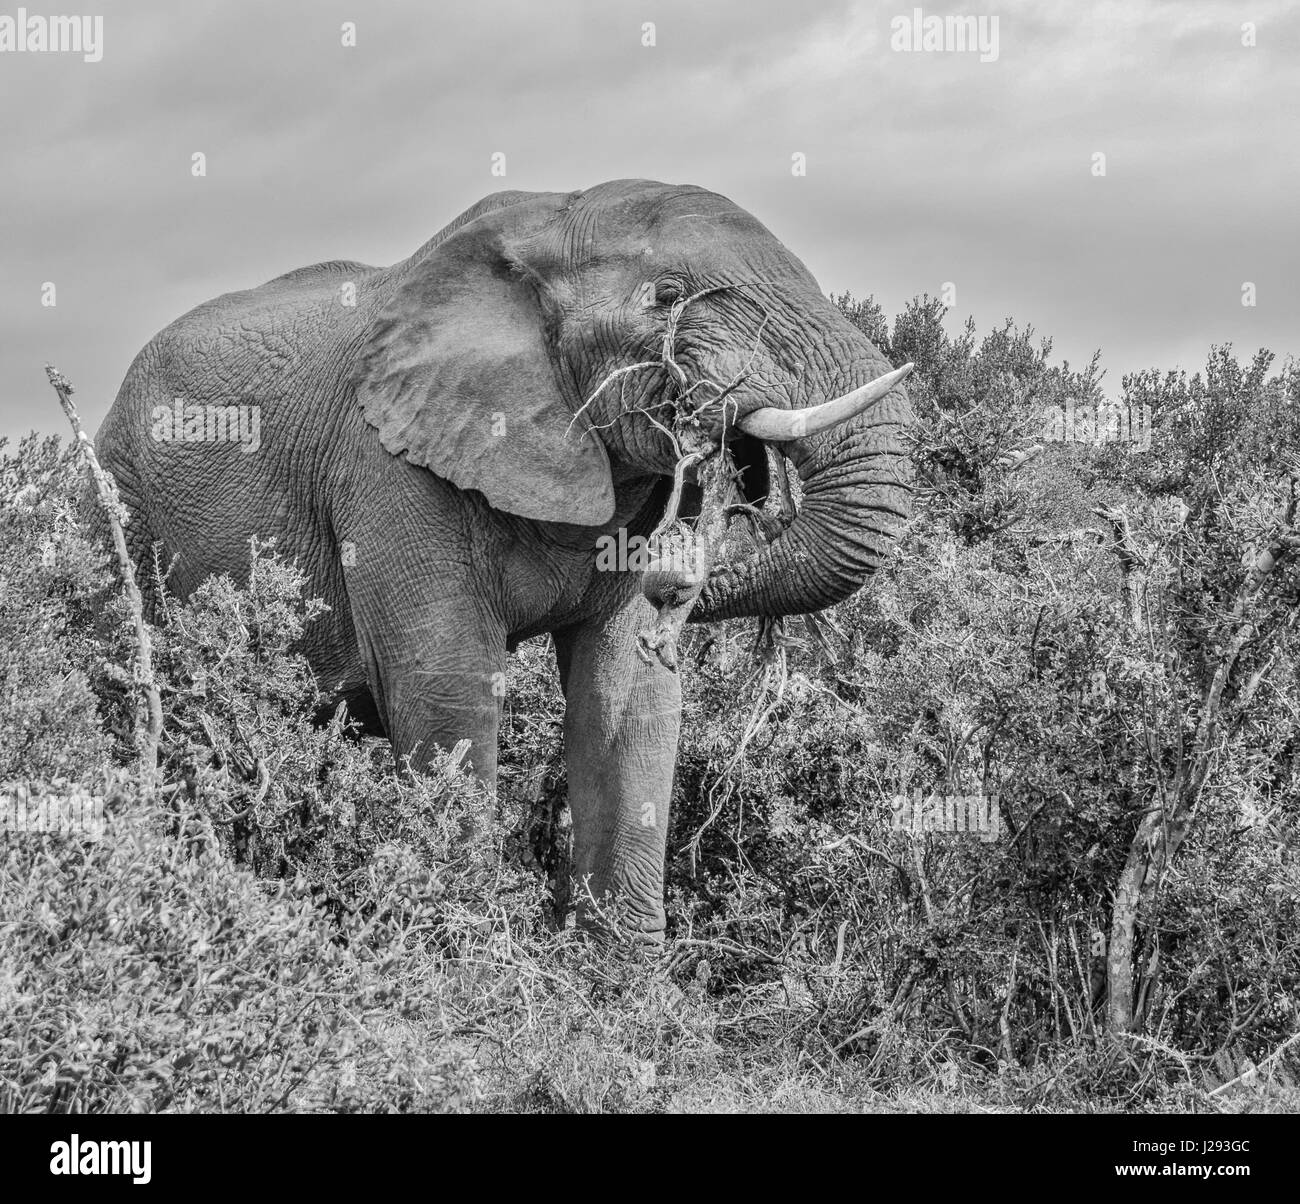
(548, 349)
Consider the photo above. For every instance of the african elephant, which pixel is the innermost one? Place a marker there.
(442, 443)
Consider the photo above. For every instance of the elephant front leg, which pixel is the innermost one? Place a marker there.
(621, 724)
(438, 709)
(438, 678)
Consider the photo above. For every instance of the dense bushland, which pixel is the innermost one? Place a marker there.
(1102, 641)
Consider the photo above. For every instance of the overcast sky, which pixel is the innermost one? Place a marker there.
(922, 168)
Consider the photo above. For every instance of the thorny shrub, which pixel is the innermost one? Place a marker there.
(287, 922)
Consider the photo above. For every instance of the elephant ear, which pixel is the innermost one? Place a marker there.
(456, 372)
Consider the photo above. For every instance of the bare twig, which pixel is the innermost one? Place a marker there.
(604, 384)
(147, 737)
(1281, 1049)
(675, 498)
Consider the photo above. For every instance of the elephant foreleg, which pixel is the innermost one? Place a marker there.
(437, 678)
(621, 724)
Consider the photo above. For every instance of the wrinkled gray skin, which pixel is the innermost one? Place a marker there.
(431, 427)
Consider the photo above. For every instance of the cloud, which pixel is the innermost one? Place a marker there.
(922, 168)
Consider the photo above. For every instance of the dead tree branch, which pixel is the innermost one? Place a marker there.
(148, 735)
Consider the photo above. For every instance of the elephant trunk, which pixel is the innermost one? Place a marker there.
(856, 494)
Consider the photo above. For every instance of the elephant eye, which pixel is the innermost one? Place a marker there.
(667, 293)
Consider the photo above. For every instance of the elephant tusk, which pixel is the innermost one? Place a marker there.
(781, 426)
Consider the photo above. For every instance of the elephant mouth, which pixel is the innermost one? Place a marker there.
(750, 456)
(765, 503)
(752, 459)
(769, 498)
(736, 501)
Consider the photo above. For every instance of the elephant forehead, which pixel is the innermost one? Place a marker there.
(644, 229)
(646, 212)
(699, 229)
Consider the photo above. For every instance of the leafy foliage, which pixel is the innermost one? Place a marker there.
(1081, 633)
